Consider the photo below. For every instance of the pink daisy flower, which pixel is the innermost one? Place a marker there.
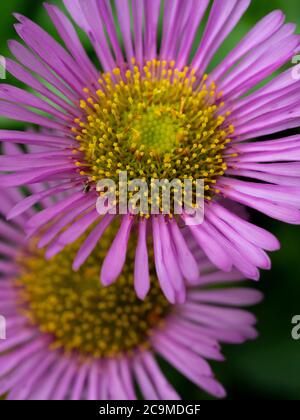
(150, 109)
(68, 337)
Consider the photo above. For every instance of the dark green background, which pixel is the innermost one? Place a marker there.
(268, 368)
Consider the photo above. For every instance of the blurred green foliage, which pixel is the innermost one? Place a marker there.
(268, 368)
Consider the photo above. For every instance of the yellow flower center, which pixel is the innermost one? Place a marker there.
(79, 313)
(154, 123)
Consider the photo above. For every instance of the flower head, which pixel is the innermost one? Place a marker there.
(68, 337)
(149, 108)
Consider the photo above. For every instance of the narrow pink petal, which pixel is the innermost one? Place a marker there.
(210, 246)
(61, 391)
(71, 39)
(116, 387)
(125, 25)
(33, 380)
(186, 260)
(258, 236)
(30, 201)
(79, 382)
(63, 222)
(93, 383)
(10, 360)
(108, 20)
(172, 13)
(193, 343)
(51, 52)
(164, 388)
(170, 262)
(116, 256)
(31, 177)
(21, 97)
(224, 16)
(127, 378)
(152, 11)
(141, 266)
(138, 16)
(281, 212)
(233, 296)
(31, 63)
(275, 193)
(91, 241)
(72, 233)
(50, 213)
(16, 112)
(196, 12)
(260, 32)
(248, 250)
(144, 382)
(46, 387)
(97, 35)
(39, 139)
(162, 274)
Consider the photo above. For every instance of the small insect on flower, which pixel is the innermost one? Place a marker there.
(87, 187)
(149, 108)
